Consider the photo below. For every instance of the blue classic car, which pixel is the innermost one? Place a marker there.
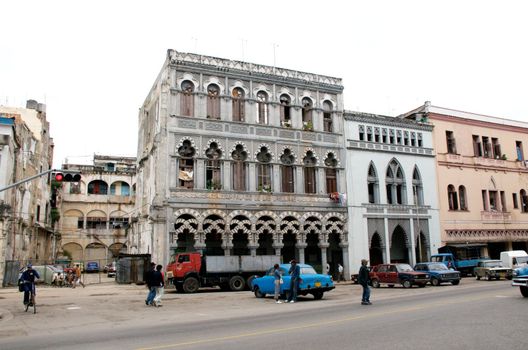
(311, 282)
(520, 278)
(439, 273)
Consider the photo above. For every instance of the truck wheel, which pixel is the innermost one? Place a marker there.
(435, 282)
(237, 283)
(478, 277)
(258, 293)
(318, 295)
(524, 291)
(406, 284)
(191, 285)
(375, 283)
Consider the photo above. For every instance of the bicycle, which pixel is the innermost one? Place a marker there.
(32, 301)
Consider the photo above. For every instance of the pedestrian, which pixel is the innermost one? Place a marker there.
(340, 272)
(327, 268)
(77, 280)
(295, 274)
(278, 281)
(159, 284)
(151, 288)
(363, 279)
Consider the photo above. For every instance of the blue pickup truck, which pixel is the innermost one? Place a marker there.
(520, 278)
(463, 258)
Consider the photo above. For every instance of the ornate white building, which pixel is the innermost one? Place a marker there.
(393, 213)
(241, 158)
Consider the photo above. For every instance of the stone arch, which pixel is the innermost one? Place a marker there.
(289, 235)
(244, 148)
(240, 230)
(71, 220)
(376, 249)
(115, 248)
(265, 230)
(219, 147)
(268, 148)
(186, 232)
(399, 243)
(335, 154)
(307, 150)
(183, 139)
(96, 251)
(245, 213)
(212, 80)
(312, 237)
(75, 250)
(98, 187)
(216, 212)
(269, 213)
(120, 188)
(214, 229)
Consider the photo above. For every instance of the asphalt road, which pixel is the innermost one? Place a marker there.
(473, 315)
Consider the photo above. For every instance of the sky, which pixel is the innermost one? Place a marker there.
(93, 62)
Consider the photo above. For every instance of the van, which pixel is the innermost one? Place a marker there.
(514, 258)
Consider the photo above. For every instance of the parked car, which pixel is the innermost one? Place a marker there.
(110, 269)
(438, 273)
(492, 269)
(92, 266)
(311, 282)
(520, 279)
(392, 274)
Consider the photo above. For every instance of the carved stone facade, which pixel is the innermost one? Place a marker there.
(240, 158)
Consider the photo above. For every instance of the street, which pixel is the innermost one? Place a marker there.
(475, 314)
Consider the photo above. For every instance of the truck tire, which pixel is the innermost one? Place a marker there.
(237, 283)
(191, 285)
(524, 291)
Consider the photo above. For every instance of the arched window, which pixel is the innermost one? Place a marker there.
(372, 181)
(262, 107)
(239, 156)
(309, 162)
(417, 188)
(97, 187)
(524, 201)
(285, 111)
(238, 104)
(187, 99)
(327, 116)
(213, 178)
(120, 188)
(213, 101)
(462, 197)
(264, 170)
(395, 184)
(287, 171)
(331, 173)
(307, 118)
(452, 197)
(186, 164)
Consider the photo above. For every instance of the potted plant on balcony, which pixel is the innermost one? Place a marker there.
(308, 126)
(286, 123)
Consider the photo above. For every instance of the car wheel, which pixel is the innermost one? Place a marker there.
(191, 285)
(249, 281)
(237, 283)
(375, 284)
(318, 295)
(455, 283)
(524, 291)
(406, 284)
(435, 282)
(258, 293)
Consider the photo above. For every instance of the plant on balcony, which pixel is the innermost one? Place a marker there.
(504, 157)
(54, 215)
(213, 185)
(286, 124)
(308, 126)
(265, 188)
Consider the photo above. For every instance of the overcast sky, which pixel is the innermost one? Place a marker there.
(93, 62)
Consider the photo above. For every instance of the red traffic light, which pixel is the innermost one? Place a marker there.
(67, 176)
(59, 177)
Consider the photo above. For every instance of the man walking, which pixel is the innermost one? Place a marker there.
(363, 279)
(77, 271)
(295, 273)
(149, 280)
(340, 271)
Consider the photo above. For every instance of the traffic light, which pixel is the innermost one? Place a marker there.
(67, 176)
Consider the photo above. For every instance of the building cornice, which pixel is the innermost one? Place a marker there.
(383, 120)
(382, 147)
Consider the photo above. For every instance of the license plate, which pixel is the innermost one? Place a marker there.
(318, 284)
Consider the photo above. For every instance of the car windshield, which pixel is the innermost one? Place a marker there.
(493, 264)
(404, 268)
(437, 258)
(522, 260)
(436, 267)
(308, 271)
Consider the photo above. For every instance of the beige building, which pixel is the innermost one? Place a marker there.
(95, 212)
(482, 179)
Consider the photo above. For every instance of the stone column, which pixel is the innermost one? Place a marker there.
(324, 259)
(387, 237)
(412, 242)
(252, 183)
(226, 176)
(299, 180)
(300, 248)
(278, 247)
(199, 174)
(276, 178)
(384, 254)
(227, 244)
(320, 187)
(346, 262)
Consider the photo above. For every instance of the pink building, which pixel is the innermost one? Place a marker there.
(482, 179)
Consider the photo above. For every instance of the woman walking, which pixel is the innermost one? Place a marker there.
(278, 282)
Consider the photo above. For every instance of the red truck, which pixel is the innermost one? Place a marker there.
(190, 271)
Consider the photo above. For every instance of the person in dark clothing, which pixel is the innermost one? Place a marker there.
(159, 284)
(150, 285)
(363, 279)
(295, 273)
(28, 279)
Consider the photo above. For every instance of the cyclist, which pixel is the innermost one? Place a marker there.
(28, 279)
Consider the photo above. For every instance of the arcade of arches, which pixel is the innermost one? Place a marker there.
(400, 248)
(310, 238)
(94, 251)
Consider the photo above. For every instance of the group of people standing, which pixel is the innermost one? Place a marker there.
(295, 274)
(155, 281)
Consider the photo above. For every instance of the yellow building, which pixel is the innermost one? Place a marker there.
(482, 179)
